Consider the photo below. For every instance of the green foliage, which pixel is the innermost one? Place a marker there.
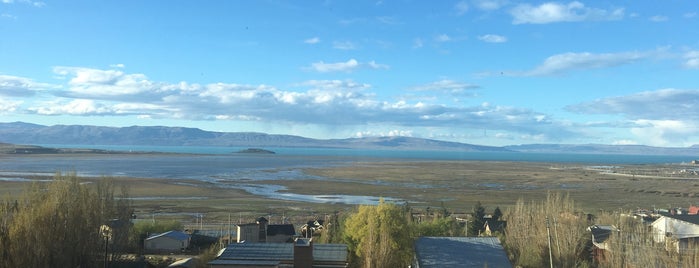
(477, 223)
(446, 226)
(379, 236)
(142, 229)
(57, 224)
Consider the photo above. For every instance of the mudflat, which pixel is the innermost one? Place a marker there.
(455, 185)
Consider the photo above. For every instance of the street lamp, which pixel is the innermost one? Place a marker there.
(106, 233)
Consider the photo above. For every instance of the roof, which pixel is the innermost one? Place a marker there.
(188, 262)
(267, 252)
(460, 252)
(176, 235)
(281, 229)
(600, 234)
(694, 219)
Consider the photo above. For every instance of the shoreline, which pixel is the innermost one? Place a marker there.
(457, 185)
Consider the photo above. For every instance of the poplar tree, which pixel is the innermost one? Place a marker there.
(379, 236)
(57, 224)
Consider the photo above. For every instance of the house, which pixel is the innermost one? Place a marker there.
(459, 252)
(492, 226)
(303, 253)
(693, 210)
(261, 231)
(171, 241)
(600, 237)
(280, 233)
(311, 228)
(678, 232)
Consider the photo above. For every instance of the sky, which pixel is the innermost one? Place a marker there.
(487, 72)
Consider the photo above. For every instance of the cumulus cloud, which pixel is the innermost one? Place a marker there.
(664, 132)
(565, 62)
(551, 12)
(20, 86)
(111, 84)
(493, 38)
(347, 66)
(8, 106)
(329, 103)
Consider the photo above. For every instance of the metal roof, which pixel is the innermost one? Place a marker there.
(176, 235)
(282, 252)
(460, 252)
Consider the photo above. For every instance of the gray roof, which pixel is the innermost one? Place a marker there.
(460, 252)
(281, 252)
(176, 235)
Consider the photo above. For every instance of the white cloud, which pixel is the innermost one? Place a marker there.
(344, 45)
(551, 12)
(418, 43)
(8, 16)
(461, 7)
(664, 104)
(20, 86)
(8, 106)
(689, 15)
(324, 103)
(117, 65)
(691, 59)
(658, 18)
(493, 38)
(389, 133)
(312, 40)
(664, 132)
(489, 5)
(447, 86)
(29, 2)
(73, 107)
(561, 63)
(442, 38)
(347, 66)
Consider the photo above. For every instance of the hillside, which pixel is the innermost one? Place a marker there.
(24, 133)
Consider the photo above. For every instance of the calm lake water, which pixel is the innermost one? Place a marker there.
(223, 167)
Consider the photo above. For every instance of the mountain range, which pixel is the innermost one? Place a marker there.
(27, 133)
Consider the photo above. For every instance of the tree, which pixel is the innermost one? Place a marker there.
(497, 214)
(379, 236)
(57, 224)
(476, 225)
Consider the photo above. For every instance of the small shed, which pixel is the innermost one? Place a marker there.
(168, 242)
(432, 252)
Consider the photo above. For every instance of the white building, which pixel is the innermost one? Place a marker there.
(676, 231)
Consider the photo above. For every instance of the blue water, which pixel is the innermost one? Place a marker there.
(221, 167)
(407, 154)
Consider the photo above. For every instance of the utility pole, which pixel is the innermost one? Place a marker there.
(555, 231)
(548, 236)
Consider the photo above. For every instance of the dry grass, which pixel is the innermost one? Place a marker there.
(455, 184)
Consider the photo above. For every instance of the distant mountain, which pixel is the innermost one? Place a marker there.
(24, 133)
(604, 149)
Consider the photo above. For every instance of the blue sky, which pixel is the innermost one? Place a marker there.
(491, 72)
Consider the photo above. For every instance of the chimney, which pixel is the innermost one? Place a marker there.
(262, 227)
(303, 253)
